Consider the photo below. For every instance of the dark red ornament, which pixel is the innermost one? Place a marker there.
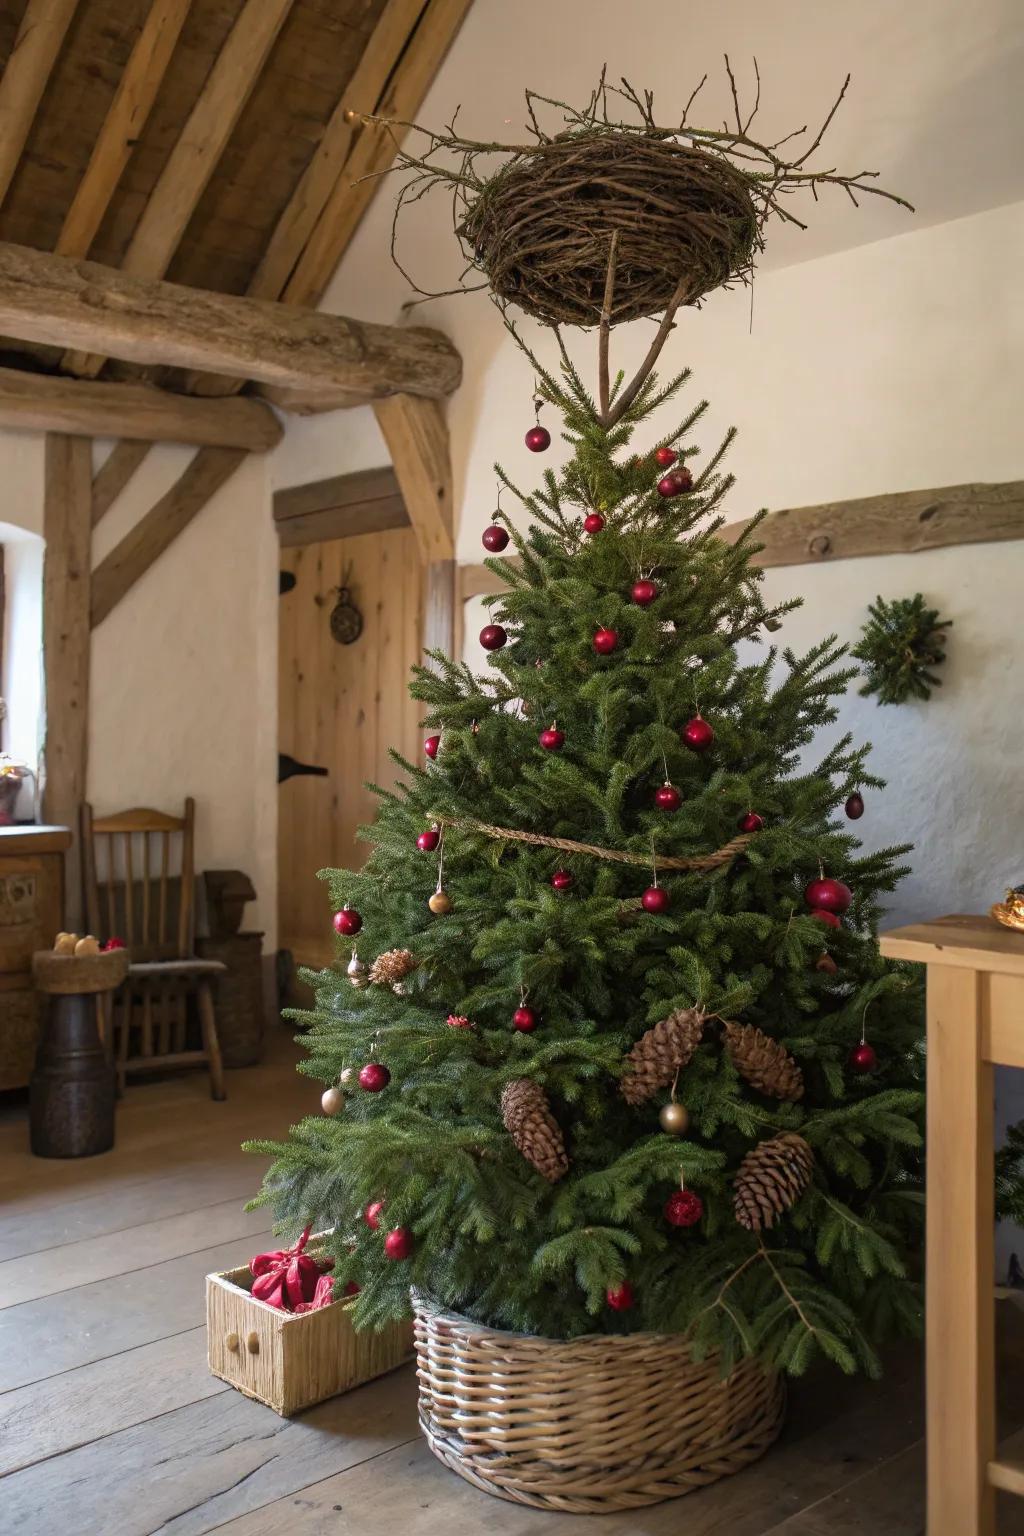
(593, 522)
(751, 822)
(826, 917)
(494, 538)
(351, 1288)
(697, 734)
(644, 592)
(667, 797)
(374, 1077)
(684, 1208)
(399, 1243)
(665, 457)
(525, 1020)
(655, 899)
(863, 1058)
(829, 895)
(562, 879)
(552, 739)
(826, 965)
(684, 477)
(428, 841)
(374, 1211)
(113, 943)
(620, 1297)
(605, 641)
(855, 806)
(492, 637)
(672, 484)
(347, 922)
(538, 439)
(431, 745)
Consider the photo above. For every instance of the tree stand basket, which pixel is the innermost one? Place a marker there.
(589, 1425)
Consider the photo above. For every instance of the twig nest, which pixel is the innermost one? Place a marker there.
(542, 226)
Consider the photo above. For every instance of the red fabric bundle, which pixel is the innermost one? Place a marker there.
(289, 1278)
(322, 1296)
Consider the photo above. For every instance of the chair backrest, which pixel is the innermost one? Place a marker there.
(138, 878)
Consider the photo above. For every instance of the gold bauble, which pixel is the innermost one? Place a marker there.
(332, 1101)
(440, 903)
(357, 972)
(675, 1119)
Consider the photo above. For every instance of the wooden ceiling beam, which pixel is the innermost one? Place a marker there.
(124, 122)
(199, 146)
(37, 402)
(114, 474)
(50, 299)
(33, 56)
(417, 437)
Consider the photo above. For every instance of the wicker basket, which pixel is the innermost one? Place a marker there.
(588, 1426)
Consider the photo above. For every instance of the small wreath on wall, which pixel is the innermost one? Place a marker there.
(346, 620)
(901, 644)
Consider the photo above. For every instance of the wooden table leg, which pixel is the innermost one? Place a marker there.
(960, 1260)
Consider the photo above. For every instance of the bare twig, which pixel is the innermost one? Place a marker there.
(604, 388)
(633, 388)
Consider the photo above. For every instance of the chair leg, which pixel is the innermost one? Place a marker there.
(211, 1045)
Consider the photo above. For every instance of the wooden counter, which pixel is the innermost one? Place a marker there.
(31, 914)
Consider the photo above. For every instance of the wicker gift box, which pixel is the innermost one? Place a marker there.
(292, 1360)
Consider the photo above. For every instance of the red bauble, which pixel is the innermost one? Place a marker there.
(855, 806)
(113, 943)
(684, 478)
(552, 739)
(665, 457)
(374, 1211)
(684, 1208)
(826, 917)
(697, 734)
(398, 1244)
(605, 641)
(350, 1288)
(826, 965)
(494, 538)
(428, 841)
(492, 637)
(374, 1077)
(347, 922)
(655, 899)
(620, 1297)
(863, 1058)
(644, 592)
(593, 522)
(670, 485)
(751, 822)
(538, 438)
(562, 879)
(431, 745)
(667, 797)
(828, 895)
(525, 1020)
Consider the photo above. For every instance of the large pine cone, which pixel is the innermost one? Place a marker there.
(763, 1062)
(770, 1179)
(533, 1128)
(391, 966)
(661, 1052)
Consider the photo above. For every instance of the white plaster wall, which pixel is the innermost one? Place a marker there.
(21, 684)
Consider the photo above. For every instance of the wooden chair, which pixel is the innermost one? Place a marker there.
(138, 878)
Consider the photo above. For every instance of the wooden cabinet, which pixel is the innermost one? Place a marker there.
(31, 914)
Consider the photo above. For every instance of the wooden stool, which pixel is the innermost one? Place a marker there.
(975, 1021)
(71, 1098)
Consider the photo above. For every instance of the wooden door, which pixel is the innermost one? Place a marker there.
(340, 707)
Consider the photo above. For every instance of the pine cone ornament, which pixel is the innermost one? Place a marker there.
(771, 1178)
(533, 1128)
(765, 1064)
(389, 968)
(661, 1052)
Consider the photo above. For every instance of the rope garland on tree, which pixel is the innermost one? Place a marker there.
(701, 863)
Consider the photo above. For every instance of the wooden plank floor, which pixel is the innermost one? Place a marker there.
(110, 1424)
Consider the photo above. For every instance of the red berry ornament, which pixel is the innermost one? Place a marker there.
(113, 943)
(525, 1020)
(863, 1058)
(605, 641)
(667, 797)
(655, 899)
(492, 637)
(665, 457)
(562, 879)
(552, 739)
(538, 439)
(494, 538)
(672, 484)
(399, 1244)
(431, 745)
(374, 1077)
(428, 841)
(751, 822)
(828, 895)
(826, 965)
(644, 592)
(620, 1297)
(593, 522)
(374, 1211)
(855, 806)
(684, 1208)
(826, 917)
(697, 734)
(347, 922)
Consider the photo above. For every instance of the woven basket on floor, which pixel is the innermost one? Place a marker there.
(588, 1426)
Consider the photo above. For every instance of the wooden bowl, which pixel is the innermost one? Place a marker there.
(73, 975)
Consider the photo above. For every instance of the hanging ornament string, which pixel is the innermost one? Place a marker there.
(700, 863)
